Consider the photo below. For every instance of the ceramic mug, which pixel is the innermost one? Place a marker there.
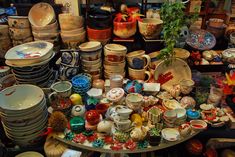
(68, 71)
(138, 59)
(139, 74)
(61, 89)
(70, 57)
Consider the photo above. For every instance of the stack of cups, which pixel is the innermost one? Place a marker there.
(114, 60)
(44, 24)
(116, 81)
(138, 63)
(20, 31)
(90, 55)
(5, 41)
(72, 30)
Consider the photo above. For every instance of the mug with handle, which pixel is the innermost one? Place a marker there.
(138, 59)
(139, 74)
(62, 89)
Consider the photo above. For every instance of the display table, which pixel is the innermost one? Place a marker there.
(164, 144)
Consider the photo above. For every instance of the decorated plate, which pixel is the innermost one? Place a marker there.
(172, 74)
(170, 134)
(201, 40)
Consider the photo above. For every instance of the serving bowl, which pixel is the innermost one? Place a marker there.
(18, 21)
(150, 28)
(198, 124)
(70, 22)
(41, 14)
(124, 29)
(134, 101)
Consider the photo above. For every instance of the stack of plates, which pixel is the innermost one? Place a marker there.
(81, 83)
(30, 61)
(23, 114)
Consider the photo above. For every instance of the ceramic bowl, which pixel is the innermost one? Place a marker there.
(170, 134)
(122, 125)
(90, 46)
(113, 67)
(133, 87)
(18, 21)
(184, 129)
(134, 101)
(193, 114)
(115, 53)
(49, 35)
(96, 34)
(95, 92)
(4, 30)
(41, 14)
(89, 63)
(20, 33)
(150, 28)
(4, 70)
(151, 88)
(170, 104)
(170, 115)
(215, 22)
(186, 86)
(229, 55)
(123, 112)
(198, 124)
(188, 102)
(74, 37)
(51, 28)
(99, 19)
(24, 100)
(74, 31)
(181, 113)
(115, 94)
(30, 53)
(181, 53)
(70, 22)
(124, 29)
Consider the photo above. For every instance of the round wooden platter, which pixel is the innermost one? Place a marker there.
(106, 149)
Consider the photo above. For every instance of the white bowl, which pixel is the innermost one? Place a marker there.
(20, 97)
(198, 124)
(29, 53)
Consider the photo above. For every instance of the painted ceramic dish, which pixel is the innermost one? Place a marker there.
(229, 55)
(171, 104)
(172, 74)
(29, 53)
(170, 134)
(198, 124)
(201, 40)
(133, 87)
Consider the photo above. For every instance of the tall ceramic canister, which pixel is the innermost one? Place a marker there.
(91, 54)
(114, 59)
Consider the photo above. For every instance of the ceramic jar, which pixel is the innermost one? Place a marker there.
(78, 110)
(134, 101)
(138, 59)
(124, 29)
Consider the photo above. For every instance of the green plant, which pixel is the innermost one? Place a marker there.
(174, 19)
(154, 132)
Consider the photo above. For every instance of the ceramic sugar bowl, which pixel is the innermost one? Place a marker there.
(115, 94)
(134, 101)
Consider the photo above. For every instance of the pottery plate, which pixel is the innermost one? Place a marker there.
(201, 40)
(29, 53)
(170, 134)
(178, 70)
(29, 154)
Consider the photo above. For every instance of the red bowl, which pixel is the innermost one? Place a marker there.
(99, 34)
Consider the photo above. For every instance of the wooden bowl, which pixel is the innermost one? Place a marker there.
(70, 22)
(41, 15)
(18, 21)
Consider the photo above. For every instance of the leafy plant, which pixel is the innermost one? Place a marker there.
(154, 132)
(174, 19)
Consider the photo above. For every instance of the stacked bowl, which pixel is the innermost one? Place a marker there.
(91, 54)
(23, 114)
(20, 31)
(30, 63)
(81, 83)
(216, 27)
(5, 41)
(114, 60)
(72, 30)
(43, 22)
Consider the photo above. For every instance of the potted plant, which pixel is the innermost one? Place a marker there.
(154, 137)
(124, 24)
(174, 19)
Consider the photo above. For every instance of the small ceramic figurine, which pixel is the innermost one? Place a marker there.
(139, 133)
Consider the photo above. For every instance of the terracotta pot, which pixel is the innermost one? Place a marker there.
(124, 29)
(18, 21)
(150, 28)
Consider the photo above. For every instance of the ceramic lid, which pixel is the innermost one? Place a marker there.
(115, 94)
(29, 154)
(90, 46)
(193, 113)
(31, 50)
(4, 68)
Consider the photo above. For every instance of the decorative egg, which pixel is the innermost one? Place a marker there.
(208, 55)
(78, 110)
(92, 117)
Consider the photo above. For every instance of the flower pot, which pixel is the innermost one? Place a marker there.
(124, 29)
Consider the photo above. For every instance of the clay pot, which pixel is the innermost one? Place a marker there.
(18, 22)
(150, 28)
(124, 29)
